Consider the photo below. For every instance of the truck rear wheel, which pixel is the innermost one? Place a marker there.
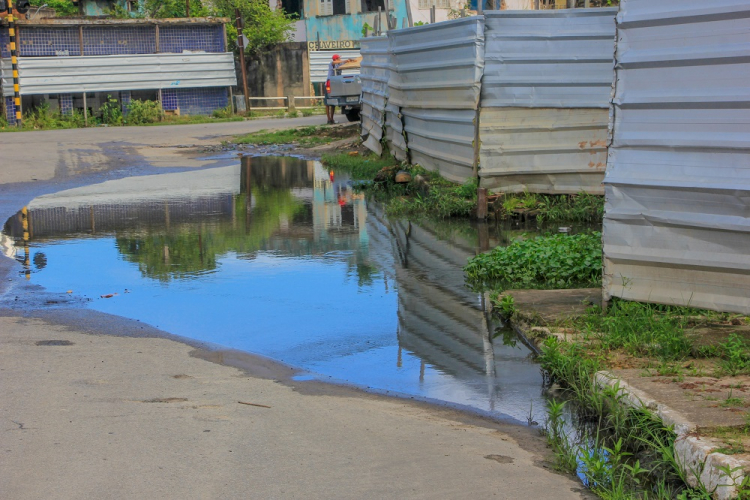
(352, 115)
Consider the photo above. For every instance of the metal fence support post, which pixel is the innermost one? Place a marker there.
(481, 203)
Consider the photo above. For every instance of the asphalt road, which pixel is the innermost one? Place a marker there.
(94, 406)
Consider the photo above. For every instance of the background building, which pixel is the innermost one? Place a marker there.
(81, 63)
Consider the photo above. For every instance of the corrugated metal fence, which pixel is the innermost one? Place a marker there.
(545, 100)
(677, 224)
(521, 96)
(374, 75)
(436, 78)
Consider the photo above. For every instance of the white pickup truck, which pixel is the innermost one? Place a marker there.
(345, 91)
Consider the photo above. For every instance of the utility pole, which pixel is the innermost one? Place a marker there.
(241, 45)
(187, 8)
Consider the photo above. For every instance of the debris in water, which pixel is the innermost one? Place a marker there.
(108, 296)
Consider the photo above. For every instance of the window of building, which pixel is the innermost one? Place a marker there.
(439, 4)
(372, 5)
(292, 7)
(334, 7)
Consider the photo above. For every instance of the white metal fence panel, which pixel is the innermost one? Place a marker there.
(442, 140)
(549, 59)
(438, 66)
(53, 75)
(677, 222)
(436, 82)
(320, 59)
(545, 97)
(374, 74)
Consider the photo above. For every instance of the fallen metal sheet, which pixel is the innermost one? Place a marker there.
(54, 75)
(320, 59)
(544, 150)
(442, 140)
(549, 59)
(677, 221)
(438, 66)
(374, 75)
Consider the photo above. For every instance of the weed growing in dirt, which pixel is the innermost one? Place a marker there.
(735, 354)
(622, 452)
(551, 262)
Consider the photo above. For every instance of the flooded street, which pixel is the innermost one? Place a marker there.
(279, 257)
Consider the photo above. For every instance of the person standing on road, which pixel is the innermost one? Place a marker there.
(333, 70)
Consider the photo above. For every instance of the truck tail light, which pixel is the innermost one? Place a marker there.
(328, 86)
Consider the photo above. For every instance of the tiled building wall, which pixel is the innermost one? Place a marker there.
(48, 41)
(203, 101)
(66, 104)
(105, 40)
(10, 110)
(4, 43)
(208, 38)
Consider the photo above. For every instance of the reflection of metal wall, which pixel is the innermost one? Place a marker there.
(66, 222)
(677, 223)
(545, 99)
(374, 75)
(439, 317)
(437, 71)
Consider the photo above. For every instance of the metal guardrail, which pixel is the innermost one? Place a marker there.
(288, 99)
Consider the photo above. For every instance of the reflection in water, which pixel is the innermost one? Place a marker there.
(279, 257)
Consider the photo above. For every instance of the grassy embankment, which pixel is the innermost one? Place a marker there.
(305, 137)
(623, 453)
(429, 194)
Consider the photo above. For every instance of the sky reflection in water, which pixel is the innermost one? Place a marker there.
(278, 257)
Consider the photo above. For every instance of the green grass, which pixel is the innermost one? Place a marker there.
(441, 198)
(548, 262)
(623, 452)
(304, 136)
(359, 166)
(622, 435)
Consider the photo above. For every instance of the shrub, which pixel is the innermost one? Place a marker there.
(111, 111)
(142, 112)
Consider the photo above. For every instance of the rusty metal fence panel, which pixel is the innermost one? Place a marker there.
(677, 222)
(435, 81)
(374, 75)
(545, 100)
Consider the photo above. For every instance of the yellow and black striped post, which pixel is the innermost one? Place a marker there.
(14, 61)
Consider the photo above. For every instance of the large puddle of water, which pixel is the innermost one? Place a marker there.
(276, 256)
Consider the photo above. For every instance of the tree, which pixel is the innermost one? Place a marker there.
(263, 27)
(62, 7)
